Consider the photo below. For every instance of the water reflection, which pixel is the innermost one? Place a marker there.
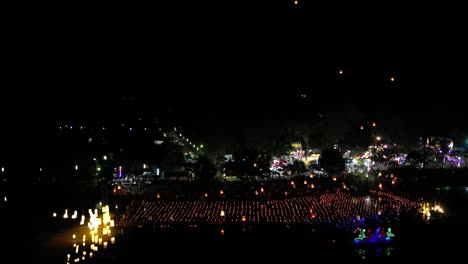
(89, 239)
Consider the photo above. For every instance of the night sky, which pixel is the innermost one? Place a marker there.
(242, 68)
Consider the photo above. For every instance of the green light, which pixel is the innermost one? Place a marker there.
(201, 146)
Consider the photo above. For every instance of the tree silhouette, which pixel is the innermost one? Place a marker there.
(331, 161)
(204, 169)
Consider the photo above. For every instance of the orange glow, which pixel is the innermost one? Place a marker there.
(244, 218)
(311, 175)
(305, 182)
(206, 194)
(373, 124)
(261, 189)
(158, 196)
(392, 79)
(296, 2)
(340, 72)
(221, 192)
(222, 212)
(334, 178)
(312, 186)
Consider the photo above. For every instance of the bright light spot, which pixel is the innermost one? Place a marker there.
(222, 213)
(105, 157)
(392, 79)
(378, 138)
(54, 215)
(3, 169)
(221, 192)
(201, 146)
(362, 127)
(374, 124)
(76, 167)
(340, 72)
(296, 2)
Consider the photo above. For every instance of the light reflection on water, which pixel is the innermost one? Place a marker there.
(86, 239)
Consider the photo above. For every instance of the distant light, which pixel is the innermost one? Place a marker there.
(145, 128)
(374, 124)
(103, 128)
(378, 138)
(362, 127)
(94, 159)
(105, 157)
(54, 215)
(144, 166)
(131, 129)
(76, 167)
(296, 2)
(340, 72)
(5, 198)
(81, 127)
(392, 79)
(201, 146)
(3, 169)
(40, 169)
(180, 134)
